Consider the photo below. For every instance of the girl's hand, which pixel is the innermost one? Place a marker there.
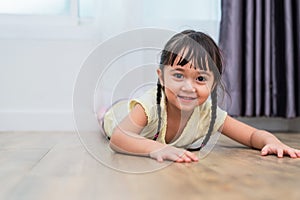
(173, 154)
(280, 150)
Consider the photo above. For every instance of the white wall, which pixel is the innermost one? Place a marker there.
(36, 82)
(39, 62)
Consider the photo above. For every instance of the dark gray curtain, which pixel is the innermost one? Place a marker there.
(260, 41)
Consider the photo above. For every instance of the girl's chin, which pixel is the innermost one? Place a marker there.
(186, 108)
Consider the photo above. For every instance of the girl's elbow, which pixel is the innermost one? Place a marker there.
(113, 146)
(115, 141)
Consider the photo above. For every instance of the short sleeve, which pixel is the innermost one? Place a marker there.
(148, 102)
(221, 116)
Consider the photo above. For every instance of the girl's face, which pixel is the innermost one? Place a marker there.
(185, 86)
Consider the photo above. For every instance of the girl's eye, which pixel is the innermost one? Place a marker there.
(201, 79)
(179, 76)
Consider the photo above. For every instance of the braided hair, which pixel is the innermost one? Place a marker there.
(158, 100)
(212, 120)
(196, 47)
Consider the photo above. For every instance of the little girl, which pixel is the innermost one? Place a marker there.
(169, 120)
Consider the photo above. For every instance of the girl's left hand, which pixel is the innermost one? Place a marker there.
(280, 150)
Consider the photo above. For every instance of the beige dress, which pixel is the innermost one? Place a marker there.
(196, 127)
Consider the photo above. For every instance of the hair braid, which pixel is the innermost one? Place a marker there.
(214, 97)
(158, 107)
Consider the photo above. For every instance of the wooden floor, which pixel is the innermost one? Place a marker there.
(57, 166)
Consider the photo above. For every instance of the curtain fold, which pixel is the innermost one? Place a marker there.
(260, 43)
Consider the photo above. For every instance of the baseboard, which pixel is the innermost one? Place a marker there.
(64, 121)
(273, 124)
(37, 121)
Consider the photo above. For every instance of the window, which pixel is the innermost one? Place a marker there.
(86, 8)
(47, 7)
(46, 18)
(35, 7)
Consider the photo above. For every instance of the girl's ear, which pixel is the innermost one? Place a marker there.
(160, 76)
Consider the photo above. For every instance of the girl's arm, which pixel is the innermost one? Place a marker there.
(126, 139)
(258, 139)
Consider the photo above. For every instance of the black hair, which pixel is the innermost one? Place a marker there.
(158, 99)
(201, 51)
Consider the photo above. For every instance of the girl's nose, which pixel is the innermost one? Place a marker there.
(188, 86)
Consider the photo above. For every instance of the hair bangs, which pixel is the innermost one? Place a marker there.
(188, 51)
(194, 48)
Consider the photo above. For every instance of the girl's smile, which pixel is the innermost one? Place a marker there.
(186, 98)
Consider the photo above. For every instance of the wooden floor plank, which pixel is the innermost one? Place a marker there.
(57, 166)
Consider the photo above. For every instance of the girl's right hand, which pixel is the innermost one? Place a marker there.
(173, 154)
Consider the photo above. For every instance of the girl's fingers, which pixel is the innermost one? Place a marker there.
(173, 154)
(291, 153)
(294, 153)
(189, 157)
(298, 153)
(192, 156)
(265, 151)
(180, 160)
(159, 159)
(280, 153)
(183, 158)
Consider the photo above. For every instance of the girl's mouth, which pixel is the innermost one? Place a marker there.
(186, 98)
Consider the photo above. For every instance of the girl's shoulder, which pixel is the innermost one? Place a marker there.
(146, 100)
